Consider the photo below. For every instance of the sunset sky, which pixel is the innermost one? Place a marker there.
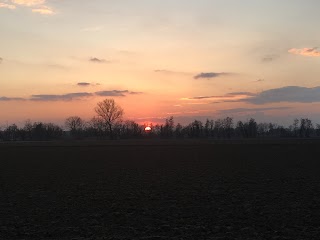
(189, 59)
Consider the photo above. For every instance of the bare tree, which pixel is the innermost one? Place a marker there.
(110, 113)
(209, 125)
(306, 127)
(295, 127)
(95, 127)
(75, 124)
(178, 130)
(167, 129)
(227, 125)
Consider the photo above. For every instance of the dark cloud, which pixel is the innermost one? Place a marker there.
(83, 84)
(240, 93)
(231, 101)
(170, 72)
(116, 93)
(97, 60)
(113, 93)
(287, 94)
(292, 94)
(208, 75)
(63, 97)
(228, 95)
(209, 97)
(245, 110)
(135, 93)
(1, 59)
(7, 99)
(72, 96)
(163, 71)
(269, 58)
(166, 71)
(204, 97)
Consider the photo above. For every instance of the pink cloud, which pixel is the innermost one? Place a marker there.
(9, 6)
(43, 10)
(28, 2)
(310, 52)
(37, 6)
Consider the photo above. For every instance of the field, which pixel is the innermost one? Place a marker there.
(160, 190)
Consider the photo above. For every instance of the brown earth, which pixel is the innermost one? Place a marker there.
(159, 190)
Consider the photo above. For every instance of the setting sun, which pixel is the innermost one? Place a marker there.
(147, 129)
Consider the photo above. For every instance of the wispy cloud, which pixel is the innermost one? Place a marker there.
(209, 75)
(164, 71)
(203, 97)
(1, 59)
(83, 84)
(293, 94)
(136, 93)
(28, 2)
(269, 58)
(309, 52)
(116, 93)
(113, 93)
(7, 99)
(228, 96)
(241, 94)
(6, 5)
(72, 96)
(287, 94)
(246, 110)
(63, 97)
(37, 6)
(87, 84)
(97, 60)
(44, 10)
(171, 72)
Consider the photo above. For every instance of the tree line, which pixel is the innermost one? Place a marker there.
(109, 124)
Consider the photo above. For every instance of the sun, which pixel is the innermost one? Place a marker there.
(147, 129)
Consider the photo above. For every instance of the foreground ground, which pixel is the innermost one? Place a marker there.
(174, 190)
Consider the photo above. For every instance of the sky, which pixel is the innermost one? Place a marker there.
(191, 60)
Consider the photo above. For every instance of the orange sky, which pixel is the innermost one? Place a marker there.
(159, 58)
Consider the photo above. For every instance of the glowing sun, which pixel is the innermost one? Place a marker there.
(147, 129)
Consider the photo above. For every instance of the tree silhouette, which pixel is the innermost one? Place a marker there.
(28, 129)
(295, 127)
(75, 124)
(209, 128)
(167, 129)
(178, 131)
(11, 133)
(196, 128)
(110, 113)
(227, 125)
(305, 127)
(248, 129)
(317, 130)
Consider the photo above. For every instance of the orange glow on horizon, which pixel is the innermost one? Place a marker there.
(148, 129)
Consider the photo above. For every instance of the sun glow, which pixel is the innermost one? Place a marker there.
(148, 129)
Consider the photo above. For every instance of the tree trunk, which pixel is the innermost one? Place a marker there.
(110, 129)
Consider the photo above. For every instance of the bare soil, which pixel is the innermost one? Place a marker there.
(159, 190)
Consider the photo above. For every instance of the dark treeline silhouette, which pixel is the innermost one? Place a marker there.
(108, 124)
(226, 128)
(36, 131)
